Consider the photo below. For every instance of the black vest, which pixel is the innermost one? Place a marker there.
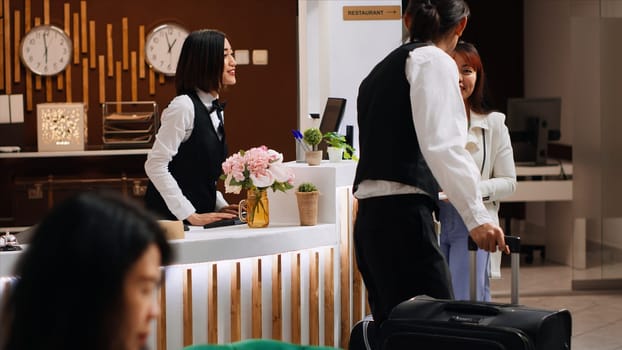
(388, 144)
(196, 167)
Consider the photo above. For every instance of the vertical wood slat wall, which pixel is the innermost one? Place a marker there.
(85, 55)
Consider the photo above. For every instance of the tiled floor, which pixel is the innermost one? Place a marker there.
(596, 316)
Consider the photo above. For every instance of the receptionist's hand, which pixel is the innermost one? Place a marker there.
(231, 209)
(207, 218)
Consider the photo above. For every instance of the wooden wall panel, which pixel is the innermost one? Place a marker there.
(96, 30)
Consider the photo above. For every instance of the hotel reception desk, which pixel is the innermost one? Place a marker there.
(288, 282)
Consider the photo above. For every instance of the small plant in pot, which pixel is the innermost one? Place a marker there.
(313, 137)
(337, 146)
(307, 196)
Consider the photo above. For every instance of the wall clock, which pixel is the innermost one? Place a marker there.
(45, 50)
(163, 46)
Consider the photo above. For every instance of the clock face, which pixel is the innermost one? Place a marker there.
(163, 46)
(45, 50)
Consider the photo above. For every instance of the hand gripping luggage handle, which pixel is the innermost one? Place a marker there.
(514, 243)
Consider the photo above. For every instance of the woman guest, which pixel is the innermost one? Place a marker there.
(88, 278)
(412, 98)
(489, 144)
(185, 161)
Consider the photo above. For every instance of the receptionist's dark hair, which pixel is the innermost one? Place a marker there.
(434, 19)
(201, 62)
(69, 291)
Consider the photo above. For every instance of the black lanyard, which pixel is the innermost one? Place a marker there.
(484, 158)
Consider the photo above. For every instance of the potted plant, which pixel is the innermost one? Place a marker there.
(338, 148)
(313, 137)
(307, 197)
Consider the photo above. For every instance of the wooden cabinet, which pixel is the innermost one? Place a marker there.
(32, 182)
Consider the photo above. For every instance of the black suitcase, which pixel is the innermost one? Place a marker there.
(426, 323)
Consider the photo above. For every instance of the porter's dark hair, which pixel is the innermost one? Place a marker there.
(434, 19)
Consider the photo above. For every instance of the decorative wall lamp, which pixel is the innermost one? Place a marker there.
(60, 127)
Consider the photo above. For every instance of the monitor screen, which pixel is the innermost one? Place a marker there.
(333, 113)
(532, 123)
(331, 118)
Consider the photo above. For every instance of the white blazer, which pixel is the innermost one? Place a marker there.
(488, 141)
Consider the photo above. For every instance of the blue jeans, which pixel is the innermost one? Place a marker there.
(453, 242)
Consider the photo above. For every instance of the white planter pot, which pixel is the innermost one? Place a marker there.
(334, 154)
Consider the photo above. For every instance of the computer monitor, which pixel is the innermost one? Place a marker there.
(532, 123)
(331, 118)
(333, 113)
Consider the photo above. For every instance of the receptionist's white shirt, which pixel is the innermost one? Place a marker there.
(177, 123)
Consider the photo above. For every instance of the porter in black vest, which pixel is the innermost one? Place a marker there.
(388, 144)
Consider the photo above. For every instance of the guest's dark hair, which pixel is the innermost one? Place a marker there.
(478, 101)
(433, 19)
(69, 293)
(201, 62)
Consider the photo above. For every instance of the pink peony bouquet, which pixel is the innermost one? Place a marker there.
(256, 168)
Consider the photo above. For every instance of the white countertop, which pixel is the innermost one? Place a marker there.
(229, 243)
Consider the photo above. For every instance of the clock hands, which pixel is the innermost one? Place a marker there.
(170, 45)
(45, 48)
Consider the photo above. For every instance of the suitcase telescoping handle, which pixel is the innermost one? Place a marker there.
(514, 243)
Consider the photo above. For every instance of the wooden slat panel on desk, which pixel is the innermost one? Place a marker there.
(7, 48)
(295, 298)
(277, 299)
(357, 292)
(314, 291)
(83, 19)
(187, 307)
(161, 321)
(212, 306)
(76, 38)
(329, 298)
(345, 251)
(17, 30)
(236, 312)
(256, 300)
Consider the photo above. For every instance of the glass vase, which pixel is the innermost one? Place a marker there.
(256, 207)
